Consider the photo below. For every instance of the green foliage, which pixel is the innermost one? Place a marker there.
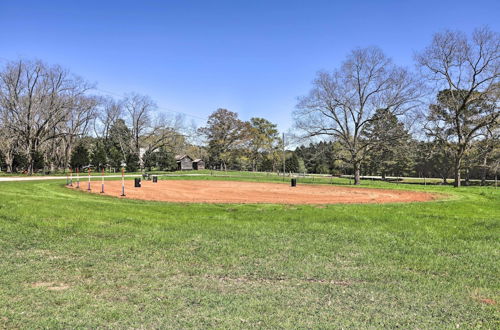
(99, 159)
(292, 163)
(318, 158)
(115, 157)
(149, 160)
(166, 160)
(79, 157)
(390, 145)
(120, 138)
(263, 139)
(38, 161)
(19, 162)
(225, 133)
(132, 162)
(267, 164)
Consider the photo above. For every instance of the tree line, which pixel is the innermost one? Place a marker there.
(452, 102)
(368, 116)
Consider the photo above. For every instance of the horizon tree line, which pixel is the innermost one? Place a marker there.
(374, 117)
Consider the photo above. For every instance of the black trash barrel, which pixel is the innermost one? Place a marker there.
(294, 182)
(137, 182)
(155, 178)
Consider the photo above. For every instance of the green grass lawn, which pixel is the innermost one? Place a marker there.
(71, 259)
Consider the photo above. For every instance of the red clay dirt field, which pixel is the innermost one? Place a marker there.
(202, 191)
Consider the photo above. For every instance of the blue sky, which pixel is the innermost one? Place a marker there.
(253, 57)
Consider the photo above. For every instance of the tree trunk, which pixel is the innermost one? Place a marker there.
(483, 176)
(357, 180)
(484, 172)
(457, 172)
(9, 160)
(31, 161)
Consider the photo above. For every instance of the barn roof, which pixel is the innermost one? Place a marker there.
(197, 160)
(179, 157)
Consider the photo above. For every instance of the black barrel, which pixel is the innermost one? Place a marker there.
(294, 182)
(155, 178)
(137, 182)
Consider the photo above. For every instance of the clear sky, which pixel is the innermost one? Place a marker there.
(254, 57)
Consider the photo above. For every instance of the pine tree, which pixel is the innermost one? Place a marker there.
(166, 160)
(292, 164)
(388, 139)
(79, 157)
(150, 159)
(99, 159)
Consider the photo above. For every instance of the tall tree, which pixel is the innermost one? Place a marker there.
(225, 132)
(343, 102)
(139, 109)
(119, 138)
(79, 157)
(467, 74)
(390, 144)
(166, 160)
(35, 99)
(263, 138)
(98, 154)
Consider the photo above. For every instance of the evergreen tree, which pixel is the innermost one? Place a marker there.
(19, 162)
(292, 163)
(79, 157)
(389, 141)
(115, 157)
(38, 161)
(120, 137)
(149, 160)
(99, 159)
(166, 160)
(132, 162)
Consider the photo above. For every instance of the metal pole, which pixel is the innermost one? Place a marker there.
(123, 181)
(102, 181)
(284, 157)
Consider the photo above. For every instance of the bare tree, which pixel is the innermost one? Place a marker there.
(166, 132)
(138, 109)
(343, 102)
(466, 72)
(36, 99)
(7, 142)
(108, 112)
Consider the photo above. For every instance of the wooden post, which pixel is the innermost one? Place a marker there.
(77, 178)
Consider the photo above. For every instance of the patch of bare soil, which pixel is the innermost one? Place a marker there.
(50, 286)
(198, 191)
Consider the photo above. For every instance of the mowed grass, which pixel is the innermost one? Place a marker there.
(72, 259)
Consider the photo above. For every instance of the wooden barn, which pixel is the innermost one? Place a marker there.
(198, 164)
(184, 162)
